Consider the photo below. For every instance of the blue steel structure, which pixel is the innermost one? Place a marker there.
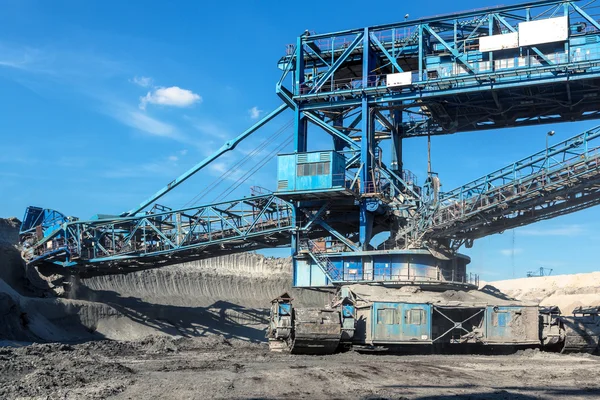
(369, 89)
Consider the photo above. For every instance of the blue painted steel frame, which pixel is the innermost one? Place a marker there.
(563, 178)
(149, 237)
(445, 31)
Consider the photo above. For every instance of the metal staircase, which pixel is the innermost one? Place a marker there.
(320, 257)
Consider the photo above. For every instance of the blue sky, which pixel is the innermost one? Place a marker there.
(104, 102)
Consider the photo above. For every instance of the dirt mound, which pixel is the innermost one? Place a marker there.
(62, 370)
(12, 268)
(227, 296)
(9, 230)
(564, 291)
(246, 280)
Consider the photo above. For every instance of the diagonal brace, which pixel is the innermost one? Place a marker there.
(384, 51)
(330, 129)
(338, 63)
(451, 49)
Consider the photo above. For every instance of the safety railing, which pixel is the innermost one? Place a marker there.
(411, 274)
(167, 233)
(469, 24)
(458, 75)
(259, 191)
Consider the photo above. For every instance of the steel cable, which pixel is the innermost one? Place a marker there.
(252, 171)
(238, 165)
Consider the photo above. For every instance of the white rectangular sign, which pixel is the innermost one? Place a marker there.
(499, 42)
(543, 31)
(399, 79)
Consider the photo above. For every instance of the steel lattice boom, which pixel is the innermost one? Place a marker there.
(561, 179)
(164, 236)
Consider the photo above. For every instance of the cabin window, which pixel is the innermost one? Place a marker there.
(416, 316)
(312, 169)
(386, 316)
(499, 318)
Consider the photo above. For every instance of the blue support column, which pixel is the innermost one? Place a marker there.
(366, 146)
(566, 11)
(490, 33)
(338, 144)
(396, 162)
(299, 75)
(300, 140)
(294, 236)
(300, 132)
(420, 55)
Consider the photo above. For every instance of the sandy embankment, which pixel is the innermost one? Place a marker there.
(228, 295)
(564, 291)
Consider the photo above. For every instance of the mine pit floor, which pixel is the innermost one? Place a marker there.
(215, 367)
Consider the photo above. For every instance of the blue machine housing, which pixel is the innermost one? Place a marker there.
(386, 266)
(401, 323)
(310, 172)
(41, 222)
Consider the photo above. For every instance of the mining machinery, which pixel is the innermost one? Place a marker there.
(369, 90)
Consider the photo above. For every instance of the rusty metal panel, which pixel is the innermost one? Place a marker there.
(512, 325)
(362, 333)
(582, 333)
(401, 322)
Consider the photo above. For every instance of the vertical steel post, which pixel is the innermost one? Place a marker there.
(490, 33)
(366, 145)
(299, 76)
(420, 55)
(396, 145)
(179, 238)
(300, 128)
(567, 50)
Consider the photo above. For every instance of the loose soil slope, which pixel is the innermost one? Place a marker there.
(564, 291)
(228, 296)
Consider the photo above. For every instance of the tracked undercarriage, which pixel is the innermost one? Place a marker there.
(374, 317)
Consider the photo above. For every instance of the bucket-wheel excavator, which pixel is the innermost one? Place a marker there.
(368, 90)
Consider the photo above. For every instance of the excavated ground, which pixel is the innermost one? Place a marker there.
(196, 331)
(214, 367)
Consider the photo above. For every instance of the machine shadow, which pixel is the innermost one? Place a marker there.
(505, 393)
(493, 291)
(223, 318)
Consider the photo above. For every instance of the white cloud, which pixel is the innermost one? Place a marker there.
(161, 168)
(219, 167)
(209, 129)
(510, 252)
(171, 96)
(145, 123)
(565, 230)
(142, 81)
(255, 112)
(183, 152)
(173, 158)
